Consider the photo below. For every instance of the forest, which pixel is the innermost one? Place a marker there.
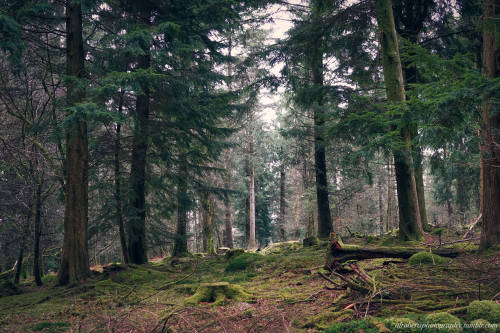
(250, 166)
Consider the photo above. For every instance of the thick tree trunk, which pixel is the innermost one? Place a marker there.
(325, 226)
(252, 243)
(419, 181)
(180, 245)
(36, 243)
(281, 218)
(490, 127)
(118, 192)
(410, 226)
(136, 222)
(74, 266)
(208, 228)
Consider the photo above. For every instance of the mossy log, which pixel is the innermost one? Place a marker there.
(338, 253)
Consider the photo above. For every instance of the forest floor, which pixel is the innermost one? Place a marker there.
(283, 292)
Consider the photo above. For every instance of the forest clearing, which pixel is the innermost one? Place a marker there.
(250, 166)
(282, 291)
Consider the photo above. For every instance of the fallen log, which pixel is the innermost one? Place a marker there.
(338, 253)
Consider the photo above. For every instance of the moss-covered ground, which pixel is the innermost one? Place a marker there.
(277, 290)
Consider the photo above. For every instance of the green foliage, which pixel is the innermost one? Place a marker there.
(426, 258)
(487, 310)
(243, 262)
(481, 325)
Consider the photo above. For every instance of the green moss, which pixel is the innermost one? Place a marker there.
(426, 258)
(443, 322)
(322, 319)
(49, 278)
(7, 288)
(365, 326)
(48, 326)
(487, 310)
(402, 325)
(242, 262)
(217, 293)
(481, 325)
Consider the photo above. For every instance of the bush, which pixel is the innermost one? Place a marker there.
(487, 310)
(444, 322)
(426, 258)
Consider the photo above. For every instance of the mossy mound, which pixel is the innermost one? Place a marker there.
(402, 325)
(426, 258)
(481, 325)
(234, 253)
(443, 322)
(487, 310)
(218, 293)
(310, 241)
(242, 262)
(278, 248)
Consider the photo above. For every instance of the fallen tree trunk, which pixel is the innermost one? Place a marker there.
(339, 253)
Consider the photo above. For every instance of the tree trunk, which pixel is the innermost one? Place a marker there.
(208, 228)
(490, 127)
(136, 223)
(380, 205)
(228, 231)
(36, 243)
(74, 266)
(19, 264)
(252, 243)
(325, 226)
(180, 245)
(282, 205)
(410, 227)
(118, 193)
(419, 180)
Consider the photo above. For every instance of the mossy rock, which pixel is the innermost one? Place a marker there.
(397, 324)
(310, 241)
(218, 293)
(481, 325)
(426, 258)
(234, 253)
(443, 322)
(242, 262)
(487, 310)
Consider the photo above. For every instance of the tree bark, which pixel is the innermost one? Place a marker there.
(325, 226)
(252, 243)
(74, 266)
(281, 217)
(36, 244)
(180, 244)
(208, 228)
(410, 227)
(118, 193)
(228, 231)
(136, 222)
(490, 127)
(19, 264)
